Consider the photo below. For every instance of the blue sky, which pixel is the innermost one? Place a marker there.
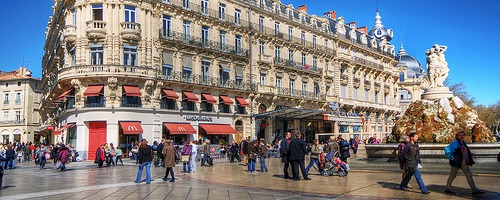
(469, 29)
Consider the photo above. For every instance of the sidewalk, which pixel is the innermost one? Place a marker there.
(231, 181)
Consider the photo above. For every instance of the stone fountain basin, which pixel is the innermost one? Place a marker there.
(482, 152)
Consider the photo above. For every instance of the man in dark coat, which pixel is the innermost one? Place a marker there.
(297, 152)
(344, 149)
(284, 152)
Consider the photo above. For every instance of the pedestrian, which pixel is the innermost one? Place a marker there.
(315, 150)
(27, 153)
(297, 153)
(403, 141)
(112, 155)
(206, 153)
(253, 152)
(169, 154)
(159, 154)
(263, 156)
(145, 157)
(332, 145)
(42, 150)
(186, 157)
(285, 153)
(244, 149)
(1, 174)
(353, 142)
(194, 154)
(10, 155)
(235, 153)
(344, 149)
(63, 156)
(119, 154)
(99, 156)
(411, 161)
(460, 157)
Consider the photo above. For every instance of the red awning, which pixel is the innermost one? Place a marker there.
(180, 128)
(61, 97)
(130, 128)
(191, 96)
(60, 130)
(215, 129)
(242, 101)
(209, 98)
(170, 94)
(226, 100)
(93, 90)
(132, 91)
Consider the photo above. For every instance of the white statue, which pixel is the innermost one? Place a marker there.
(437, 65)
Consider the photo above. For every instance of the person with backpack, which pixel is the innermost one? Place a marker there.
(411, 155)
(460, 157)
(186, 157)
(112, 155)
(403, 140)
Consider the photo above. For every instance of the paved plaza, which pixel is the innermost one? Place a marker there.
(366, 180)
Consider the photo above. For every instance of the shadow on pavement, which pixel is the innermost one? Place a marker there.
(463, 192)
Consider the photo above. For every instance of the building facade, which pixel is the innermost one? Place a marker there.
(21, 97)
(120, 71)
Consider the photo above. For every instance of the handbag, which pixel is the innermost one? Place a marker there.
(185, 158)
(58, 165)
(252, 156)
(47, 156)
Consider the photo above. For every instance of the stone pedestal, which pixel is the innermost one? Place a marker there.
(437, 93)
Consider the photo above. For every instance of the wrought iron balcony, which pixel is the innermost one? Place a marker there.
(98, 101)
(106, 70)
(131, 101)
(368, 63)
(300, 93)
(297, 65)
(209, 81)
(96, 29)
(196, 8)
(130, 30)
(194, 41)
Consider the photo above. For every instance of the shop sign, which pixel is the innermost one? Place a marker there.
(198, 118)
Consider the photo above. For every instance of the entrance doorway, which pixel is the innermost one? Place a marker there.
(97, 137)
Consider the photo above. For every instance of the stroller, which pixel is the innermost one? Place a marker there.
(332, 165)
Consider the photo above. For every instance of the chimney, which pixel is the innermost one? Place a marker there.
(363, 29)
(302, 8)
(351, 24)
(331, 14)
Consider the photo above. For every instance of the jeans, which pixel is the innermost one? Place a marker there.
(148, 172)
(42, 161)
(263, 166)
(119, 158)
(204, 159)
(251, 165)
(311, 164)
(418, 178)
(188, 167)
(10, 163)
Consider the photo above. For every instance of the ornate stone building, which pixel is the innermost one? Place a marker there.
(21, 95)
(119, 71)
(411, 76)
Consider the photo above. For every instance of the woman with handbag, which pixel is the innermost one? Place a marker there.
(63, 156)
(186, 157)
(253, 151)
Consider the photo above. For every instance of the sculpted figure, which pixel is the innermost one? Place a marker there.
(437, 65)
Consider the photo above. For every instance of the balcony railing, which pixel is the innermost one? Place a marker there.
(196, 8)
(368, 63)
(12, 122)
(130, 30)
(209, 81)
(203, 43)
(297, 65)
(106, 70)
(300, 93)
(96, 29)
(296, 40)
(131, 101)
(92, 102)
(70, 32)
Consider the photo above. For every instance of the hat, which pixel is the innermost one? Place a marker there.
(403, 138)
